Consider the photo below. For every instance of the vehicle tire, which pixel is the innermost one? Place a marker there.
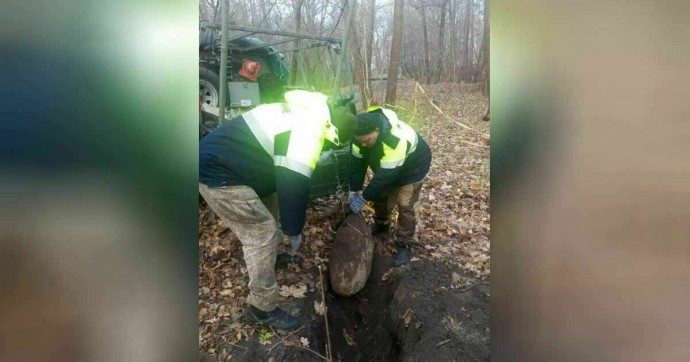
(209, 87)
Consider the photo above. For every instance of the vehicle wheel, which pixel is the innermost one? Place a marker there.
(209, 89)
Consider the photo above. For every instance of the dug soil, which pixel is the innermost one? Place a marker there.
(409, 313)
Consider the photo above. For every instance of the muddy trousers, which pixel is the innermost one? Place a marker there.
(407, 199)
(255, 223)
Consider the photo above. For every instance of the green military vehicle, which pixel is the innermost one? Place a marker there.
(257, 74)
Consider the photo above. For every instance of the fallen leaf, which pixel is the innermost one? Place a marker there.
(348, 338)
(216, 249)
(304, 341)
(320, 308)
(386, 275)
(293, 291)
(407, 317)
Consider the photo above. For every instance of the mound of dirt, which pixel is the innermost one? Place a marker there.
(411, 313)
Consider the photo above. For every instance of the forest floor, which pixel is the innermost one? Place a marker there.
(434, 308)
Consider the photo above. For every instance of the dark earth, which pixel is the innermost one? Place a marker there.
(436, 308)
(409, 313)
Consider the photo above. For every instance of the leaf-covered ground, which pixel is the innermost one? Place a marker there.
(454, 227)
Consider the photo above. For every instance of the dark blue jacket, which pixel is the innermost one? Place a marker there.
(231, 155)
(414, 165)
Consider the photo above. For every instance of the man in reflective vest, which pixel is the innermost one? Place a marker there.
(254, 172)
(400, 160)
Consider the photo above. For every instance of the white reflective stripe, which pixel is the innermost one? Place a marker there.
(254, 125)
(293, 165)
(414, 145)
(356, 154)
(392, 164)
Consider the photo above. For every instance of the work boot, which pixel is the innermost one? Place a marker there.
(380, 229)
(276, 318)
(403, 254)
(284, 259)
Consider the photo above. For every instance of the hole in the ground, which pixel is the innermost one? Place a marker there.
(360, 326)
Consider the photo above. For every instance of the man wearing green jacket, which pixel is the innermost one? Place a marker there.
(400, 160)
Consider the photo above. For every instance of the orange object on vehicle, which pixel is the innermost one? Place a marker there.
(250, 69)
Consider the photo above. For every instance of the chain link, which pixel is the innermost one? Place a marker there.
(339, 193)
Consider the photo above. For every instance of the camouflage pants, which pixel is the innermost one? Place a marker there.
(255, 222)
(407, 199)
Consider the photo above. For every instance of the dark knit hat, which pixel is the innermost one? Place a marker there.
(343, 119)
(367, 123)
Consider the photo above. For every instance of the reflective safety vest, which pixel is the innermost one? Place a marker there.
(397, 145)
(293, 132)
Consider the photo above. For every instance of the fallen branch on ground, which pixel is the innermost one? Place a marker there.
(442, 343)
(325, 316)
(473, 285)
(284, 338)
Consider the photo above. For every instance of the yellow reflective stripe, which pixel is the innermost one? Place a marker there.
(310, 108)
(255, 126)
(392, 164)
(393, 158)
(356, 151)
(305, 145)
(305, 115)
(373, 108)
(293, 165)
(402, 130)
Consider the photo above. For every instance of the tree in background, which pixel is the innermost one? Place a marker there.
(396, 44)
(485, 49)
(441, 40)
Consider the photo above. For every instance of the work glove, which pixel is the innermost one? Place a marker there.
(326, 158)
(352, 194)
(295, 242)
(356, 201)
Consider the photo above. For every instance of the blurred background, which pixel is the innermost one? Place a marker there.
(98, 217)
(590, 170)
(99, 180)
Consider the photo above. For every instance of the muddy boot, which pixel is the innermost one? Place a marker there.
(284, 259)
(276, 318)
(403, 254)
(380, 229)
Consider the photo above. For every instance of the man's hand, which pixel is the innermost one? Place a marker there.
(356, 201)
(352, 195)
(295, 242)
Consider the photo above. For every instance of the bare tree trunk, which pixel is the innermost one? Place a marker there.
(426, 71)
(453, 40)
(369, 48)
(468, 22)
(359, 61)
(297, 4)
(396, 44)
(215, 10)
(441, 43)
(485, 50)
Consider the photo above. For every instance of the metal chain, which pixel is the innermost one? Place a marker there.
(339, 193)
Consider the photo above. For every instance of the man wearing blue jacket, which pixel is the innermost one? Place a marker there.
(400, 160)
(254, 172)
